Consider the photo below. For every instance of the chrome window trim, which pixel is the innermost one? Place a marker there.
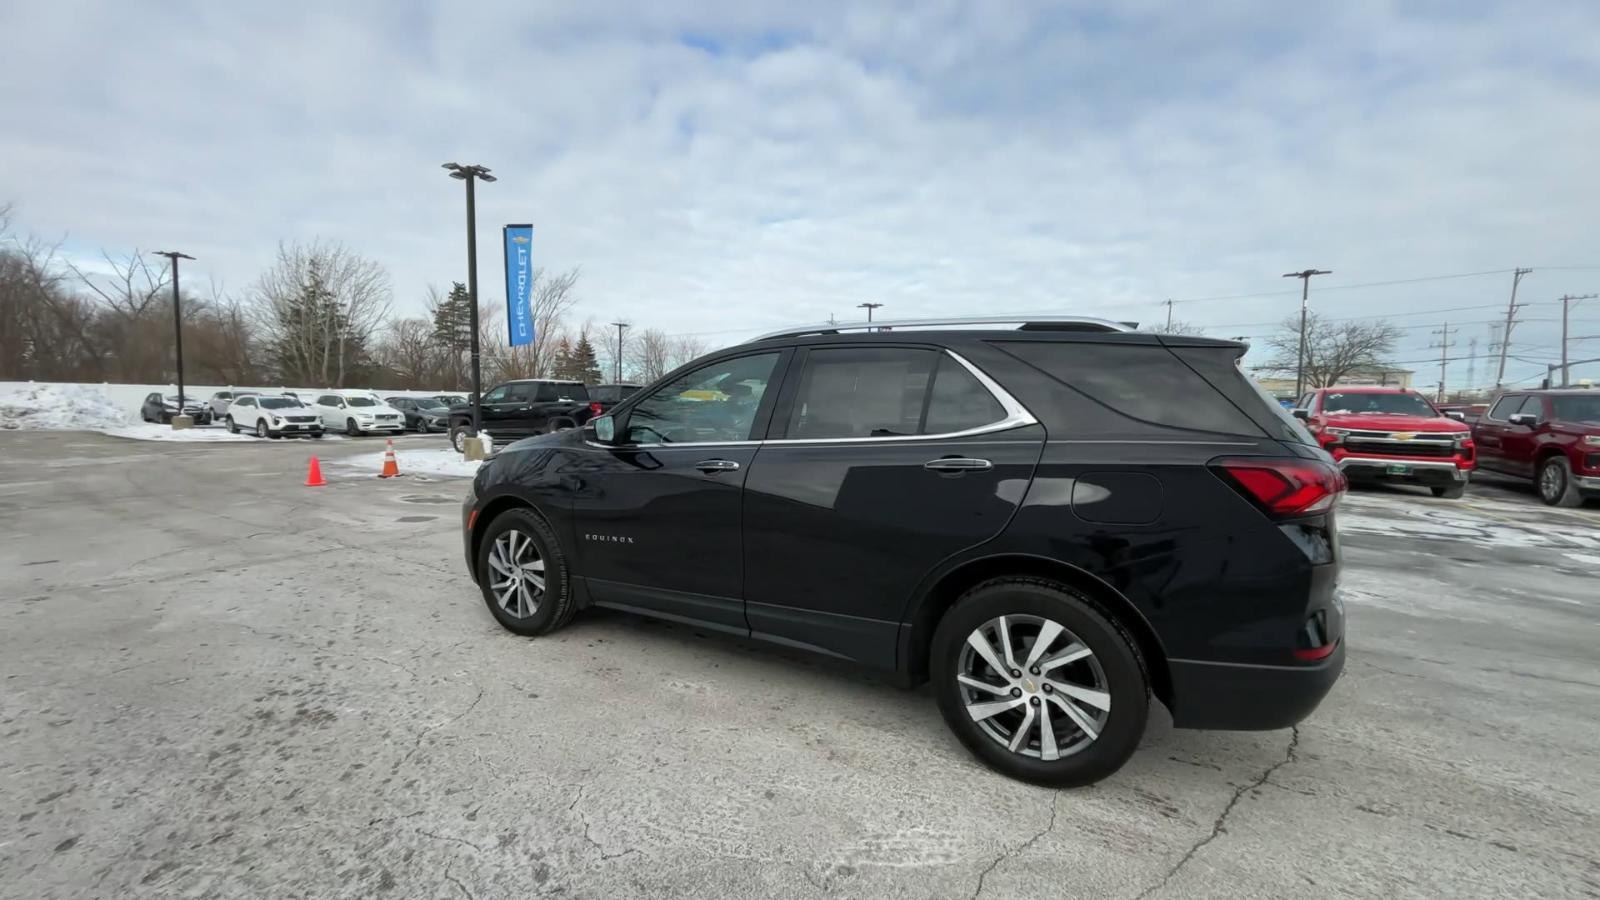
(1016, 416)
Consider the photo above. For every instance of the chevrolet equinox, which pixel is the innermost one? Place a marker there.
(1051, 519)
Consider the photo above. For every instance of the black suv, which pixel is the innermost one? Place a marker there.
(1052, 521)
(519, 409)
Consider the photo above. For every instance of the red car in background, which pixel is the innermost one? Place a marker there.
(1549, 436)
(1391, 434)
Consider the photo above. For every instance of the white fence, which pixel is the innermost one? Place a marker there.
(129, 397)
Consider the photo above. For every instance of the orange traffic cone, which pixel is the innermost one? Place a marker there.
(314, 475)
(391, 466)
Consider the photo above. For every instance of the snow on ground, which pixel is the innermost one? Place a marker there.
(442, 461)
(58, 406)
(146, 431)
(1474, 521)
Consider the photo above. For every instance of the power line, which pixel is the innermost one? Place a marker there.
(1346, 287)
(1511, 322)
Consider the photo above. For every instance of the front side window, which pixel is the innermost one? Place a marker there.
(861, 392)
(362, 401)
(498, 395)
(247, 401)
(1505, 406)
(398, 402)
(1533, 406)
(714, 403)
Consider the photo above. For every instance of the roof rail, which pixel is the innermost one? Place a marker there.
(975, 323)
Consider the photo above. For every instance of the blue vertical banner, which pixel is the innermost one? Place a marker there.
(519, 283)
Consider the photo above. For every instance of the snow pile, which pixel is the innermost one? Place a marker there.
(77, 407)
(443, 461)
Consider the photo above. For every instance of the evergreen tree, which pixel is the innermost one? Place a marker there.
(561, 364)
(314, 341)
(452, 329)
(585, 364)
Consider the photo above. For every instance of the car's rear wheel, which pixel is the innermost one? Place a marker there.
(1451, 492)
(523, 575)
(1556, 484)
(351, 428)
(1039, 682)
(261, 428)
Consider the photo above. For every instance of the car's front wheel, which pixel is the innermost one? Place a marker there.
(1039, 682)
(261, 428)
(523, 575)
(232, 427)
(1556, 484)
(1450, 492)
(458, 437)
(351, 428)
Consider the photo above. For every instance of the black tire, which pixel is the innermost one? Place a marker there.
(555, 607)
(458, 436)
(1126, 678)
(1556, 485)
(316, 435)
(232, 427)
(1453, 492)
(351, 428)
(261, 429)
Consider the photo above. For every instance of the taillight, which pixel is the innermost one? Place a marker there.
(594, 408)
(1284, 487)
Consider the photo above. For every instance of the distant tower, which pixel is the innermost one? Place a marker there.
(1472, 363)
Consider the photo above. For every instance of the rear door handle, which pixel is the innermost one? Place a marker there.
(958, 464)
(713, 466)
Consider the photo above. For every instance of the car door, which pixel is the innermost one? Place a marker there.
(243, 411)
(882, 462)
(498, 413)
(330, 409)
(658, 514)
(1519, 444)
(1490, 432)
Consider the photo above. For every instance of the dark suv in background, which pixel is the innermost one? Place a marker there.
(1551, 437)
(519, 409)
(1051, 520)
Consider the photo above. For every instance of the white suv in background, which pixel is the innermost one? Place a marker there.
(268, 416)
(357, 412)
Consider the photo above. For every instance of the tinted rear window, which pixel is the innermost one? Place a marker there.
(549, 393)
(1577, 409)
(1144, 382)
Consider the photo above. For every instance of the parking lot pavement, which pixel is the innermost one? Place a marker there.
(220, 683)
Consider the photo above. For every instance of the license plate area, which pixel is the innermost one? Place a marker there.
(1398, 469)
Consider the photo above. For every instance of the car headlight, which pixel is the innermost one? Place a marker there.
(1592, 439)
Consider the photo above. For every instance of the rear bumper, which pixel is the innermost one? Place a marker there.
(1241, 697)
(1419, 471)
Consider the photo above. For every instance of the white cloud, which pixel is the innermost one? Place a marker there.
(727, 168)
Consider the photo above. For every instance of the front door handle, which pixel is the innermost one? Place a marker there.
(958, 464)
(713, 466)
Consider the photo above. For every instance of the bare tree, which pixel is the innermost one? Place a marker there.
(687, 348)
(408, 350)
(1334, 350)
(650, 355)
(1178, 327)
(321, 305)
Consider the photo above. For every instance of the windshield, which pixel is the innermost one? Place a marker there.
(278, 403)
(1578, 409)
(453, 400)
(361, 401)
(1374, 403)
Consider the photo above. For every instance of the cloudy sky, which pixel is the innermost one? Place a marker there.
(724, 168)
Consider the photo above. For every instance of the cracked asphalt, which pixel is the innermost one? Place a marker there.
(219, 683)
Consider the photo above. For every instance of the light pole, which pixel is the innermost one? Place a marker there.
(470, 174)
(617, 367)
(177, 330)
(1305, 296)
(869, 307)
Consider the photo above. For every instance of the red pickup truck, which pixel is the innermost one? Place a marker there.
(1391, 434)
(1551, 437)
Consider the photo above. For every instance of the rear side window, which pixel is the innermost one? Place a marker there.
(1153, 385)
(607, 393)
(861, 392)
(959, 401)
(1505, 406)
(550, 393)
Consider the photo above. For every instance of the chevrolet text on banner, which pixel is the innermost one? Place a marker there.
(519, 283)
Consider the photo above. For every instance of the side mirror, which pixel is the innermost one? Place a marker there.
(1300, 413)
(605, 429)
(1527, 419)
(1456, 414)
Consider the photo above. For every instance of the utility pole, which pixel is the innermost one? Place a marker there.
(1511, 321)
(472, 174)
(1444, 355)
(1305, 296)
(869, 307)
(1567, 301)
(177, 332)
(1472, 364)
(1168, 301)
(618, 366)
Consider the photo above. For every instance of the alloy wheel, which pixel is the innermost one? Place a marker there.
(516, 575)
(1550, 481)
(1033, 687)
